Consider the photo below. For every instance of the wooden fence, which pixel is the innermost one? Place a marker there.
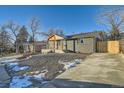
(113, 47)
(121, 44)
(110, 46)
(101, 46)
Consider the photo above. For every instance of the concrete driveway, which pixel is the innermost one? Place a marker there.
(97, 70)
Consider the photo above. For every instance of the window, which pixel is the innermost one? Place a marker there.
(81, 41)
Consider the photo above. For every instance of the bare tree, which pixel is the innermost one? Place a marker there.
(53, 31)
(34, 25)
(5, 40)
(22, 38)
(14, 28)
(113, 20)
(103, 36)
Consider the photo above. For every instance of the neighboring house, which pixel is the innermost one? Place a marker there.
(81, 43)
(39, 45)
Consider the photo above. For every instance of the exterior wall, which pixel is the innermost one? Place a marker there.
(88, 45)
(31, 47)
(28, 48)
(55, 42)
(51, 44)
(38, 47)
(59, 44)
(70, 45)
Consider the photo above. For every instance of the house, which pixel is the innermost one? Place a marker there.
(56, 42)
(39, 45)
(81, 43)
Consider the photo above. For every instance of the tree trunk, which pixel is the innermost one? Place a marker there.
(17, 49)
(33, 44)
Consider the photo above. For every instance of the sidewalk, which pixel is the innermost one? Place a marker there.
(9, 57)
(4, 77)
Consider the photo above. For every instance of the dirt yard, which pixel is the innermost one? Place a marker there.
(98, 70)
(48, 64)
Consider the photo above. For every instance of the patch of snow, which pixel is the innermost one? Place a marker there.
(10, 65)
(41, 75)
(70, 65)
(20, 82)
(45, 82)
(9, 60)
(29, 57)
(44, 71)
(24, 68)
(38, 76)
(77, 61)
(37, 72)
(16, 67)
(26, 80)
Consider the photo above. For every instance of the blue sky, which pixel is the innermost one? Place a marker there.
(72, 19)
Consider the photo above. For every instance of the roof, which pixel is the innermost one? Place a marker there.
(57, 37)
(84, 35)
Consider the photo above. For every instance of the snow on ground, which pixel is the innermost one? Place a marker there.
(71, 64)
(15, 67)
(26, 80)
(20, 82)
(9, 60)
(78, 61)
(39, 76)
(18, 68)
(10, 57)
